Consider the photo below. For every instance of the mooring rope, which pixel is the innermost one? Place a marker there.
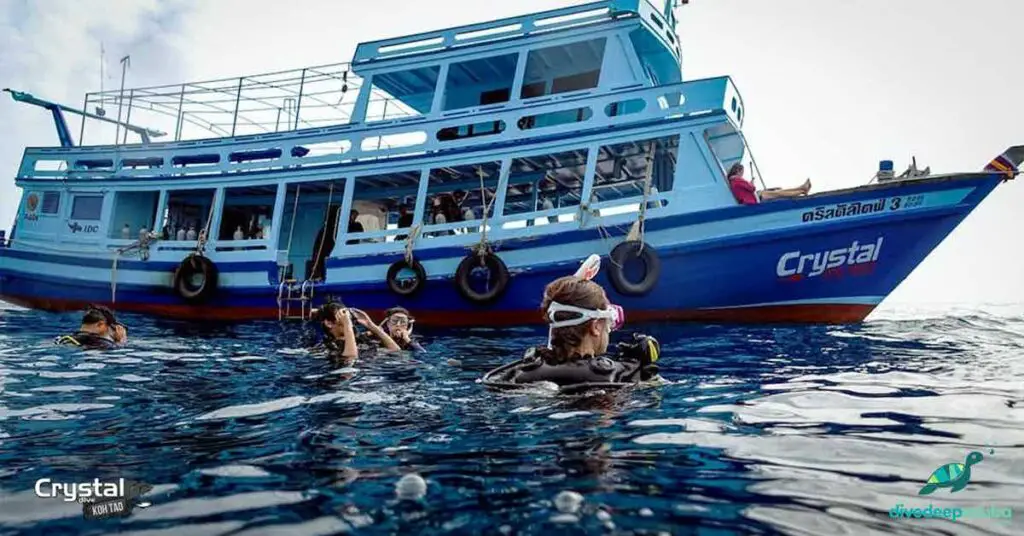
(323, 238)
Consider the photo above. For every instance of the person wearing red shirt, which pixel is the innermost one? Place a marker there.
(746, 194)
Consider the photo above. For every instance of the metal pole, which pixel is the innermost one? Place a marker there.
(238, 98)
(298, 105)
(181, 115)
(128, 118)
(81, 133)
(125, 63)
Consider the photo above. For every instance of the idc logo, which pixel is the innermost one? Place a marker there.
(858, 257)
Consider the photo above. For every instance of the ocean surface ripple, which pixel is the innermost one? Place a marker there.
(760, 430)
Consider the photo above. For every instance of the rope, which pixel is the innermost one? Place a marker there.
(142, 244)
(410, 242)
(295, 214)
(323, 238)
(113, 279)
(204, 235)
(481, 248)
(636, 233)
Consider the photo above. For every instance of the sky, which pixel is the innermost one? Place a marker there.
(830, 88)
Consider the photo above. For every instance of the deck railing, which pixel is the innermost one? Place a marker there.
(310, 149)
(282, 101)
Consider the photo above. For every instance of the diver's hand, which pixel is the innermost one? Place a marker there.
(120, 334)
(342, 317)
(362, 318)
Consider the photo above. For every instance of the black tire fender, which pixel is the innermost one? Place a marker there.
(625, 252)
(405, 289)
(499, 275)
(184, 285)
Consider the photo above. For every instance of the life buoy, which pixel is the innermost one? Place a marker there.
(406, 286)
(195, 280)
(497, 279)
(628, 251)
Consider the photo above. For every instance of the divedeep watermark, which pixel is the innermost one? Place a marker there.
(953, 513)
(100, 499)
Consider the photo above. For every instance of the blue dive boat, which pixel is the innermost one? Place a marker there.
(456, 173)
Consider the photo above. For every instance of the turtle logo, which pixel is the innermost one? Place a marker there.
(952, 475)
(32, 202)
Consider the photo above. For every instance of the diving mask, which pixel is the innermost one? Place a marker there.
(614, 314)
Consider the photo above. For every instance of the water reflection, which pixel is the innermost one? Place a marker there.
(818, 430)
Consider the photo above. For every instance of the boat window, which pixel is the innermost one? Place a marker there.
(309, 226)
(383, 204)
(545, 182)
(248, 213)
(480, 82)
(553, 119)
(563, 68)
(622, 170)
(187, 214)
(87, 207)
(51, 203)
(403, 93)
(460, 194)
(726, 145)
(133, 212)
(472, 130)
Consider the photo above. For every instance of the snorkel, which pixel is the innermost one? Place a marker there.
(614, 314)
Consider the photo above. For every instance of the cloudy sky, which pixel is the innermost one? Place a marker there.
(831, 87)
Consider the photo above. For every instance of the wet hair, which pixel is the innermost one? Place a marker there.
(94, 314)
(570, 290)
(397, 310)
(736, 169)
(328, 312)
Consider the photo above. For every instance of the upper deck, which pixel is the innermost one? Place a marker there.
(589, 66)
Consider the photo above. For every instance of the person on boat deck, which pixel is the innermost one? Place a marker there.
(337, 323)
(354, 226)
(100, 330)
(404, 220)
(746, 193)
(398, 325)
(580, 320)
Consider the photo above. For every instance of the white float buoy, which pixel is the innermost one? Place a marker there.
(568, 502)
(411, 487)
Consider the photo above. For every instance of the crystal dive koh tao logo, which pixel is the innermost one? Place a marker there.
(99, 499)
(857, 258)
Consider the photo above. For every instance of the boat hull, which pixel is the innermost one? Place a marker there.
(830, 258)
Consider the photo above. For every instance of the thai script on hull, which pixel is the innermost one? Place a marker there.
(842, 210)
(796, 263)
(860, 208)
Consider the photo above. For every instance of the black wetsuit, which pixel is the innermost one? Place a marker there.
(588, 369)
(86, 341)
(632, 363)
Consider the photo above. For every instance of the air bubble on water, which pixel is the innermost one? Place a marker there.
(568, 502)
(646, 512)
(604, 516)
(505, 530)
(565, 518)
(411, 487)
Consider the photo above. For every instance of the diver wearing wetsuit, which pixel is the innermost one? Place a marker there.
(398, 325)
(100, 330)
(580, 320)
(337, 323)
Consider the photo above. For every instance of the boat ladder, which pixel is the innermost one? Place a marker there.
(286, 296)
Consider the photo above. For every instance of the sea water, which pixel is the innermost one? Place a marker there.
(760, 430)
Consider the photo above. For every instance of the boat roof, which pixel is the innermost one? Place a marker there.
(372, 54)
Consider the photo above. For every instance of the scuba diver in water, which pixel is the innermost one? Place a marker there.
(338, 325)
(398, 325)
(100, 330)
(580, 321)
